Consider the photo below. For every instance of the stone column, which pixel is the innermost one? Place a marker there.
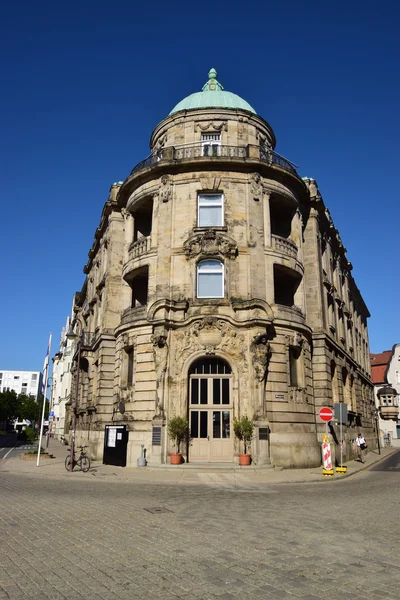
(313, 271)
(154, 225)
(267, 218)
(128, 233)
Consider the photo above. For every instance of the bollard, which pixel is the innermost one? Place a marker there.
(327, 470)
(141, 462)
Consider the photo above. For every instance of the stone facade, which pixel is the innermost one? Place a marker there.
(60, 396)
(285, 334)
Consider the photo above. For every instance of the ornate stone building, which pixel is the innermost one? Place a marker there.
(218, 286)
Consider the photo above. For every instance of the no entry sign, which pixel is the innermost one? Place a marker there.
(325, 414)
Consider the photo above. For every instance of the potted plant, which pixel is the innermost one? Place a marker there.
(178, 431)
(243, 429)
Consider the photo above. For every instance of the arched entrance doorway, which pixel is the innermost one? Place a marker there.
(210, 411)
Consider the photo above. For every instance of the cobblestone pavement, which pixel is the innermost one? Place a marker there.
(86, 539)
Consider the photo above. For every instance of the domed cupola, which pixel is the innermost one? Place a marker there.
(212, 95)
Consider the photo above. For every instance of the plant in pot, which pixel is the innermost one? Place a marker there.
(244, 429)
(178, 431)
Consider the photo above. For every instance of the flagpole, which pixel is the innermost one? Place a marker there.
(44, 398)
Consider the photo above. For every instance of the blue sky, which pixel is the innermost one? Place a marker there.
(85, 83)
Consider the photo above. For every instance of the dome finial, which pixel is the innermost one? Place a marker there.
(212, 84)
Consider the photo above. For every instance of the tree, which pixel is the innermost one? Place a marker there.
(178, 429)
(29, 408)
(243, 429)
(10, 406)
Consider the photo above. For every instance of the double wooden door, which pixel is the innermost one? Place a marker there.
(210, 418)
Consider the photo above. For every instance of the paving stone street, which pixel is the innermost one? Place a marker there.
(86, 538)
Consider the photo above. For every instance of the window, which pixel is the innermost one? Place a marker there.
(139, 285)
(296, 367)
(34, 377)
(386, 400)
(130, 365)
(211, 144)
(210, 210)
(210, 279)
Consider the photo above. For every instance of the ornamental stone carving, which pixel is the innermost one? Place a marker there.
(297, 395)
(160, 355)
(160, 144)
(165, 189)
(256, 186)
(295, 341)
(210, 243)
(210, 335)
(129, 341)
(211, 126)
(261, 355)
(210, 183)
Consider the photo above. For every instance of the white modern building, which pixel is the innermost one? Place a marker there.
(21, 382)
(385, 368)
(61, 382)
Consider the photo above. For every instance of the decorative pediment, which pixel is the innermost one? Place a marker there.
(210, 335)
(210, 243)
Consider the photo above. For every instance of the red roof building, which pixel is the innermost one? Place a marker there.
(379, 365)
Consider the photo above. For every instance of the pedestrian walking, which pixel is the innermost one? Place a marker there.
(361, 447)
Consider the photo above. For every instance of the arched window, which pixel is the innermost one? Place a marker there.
(210, 279)
(210, 366)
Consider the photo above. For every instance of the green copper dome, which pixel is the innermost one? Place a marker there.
(213, 95)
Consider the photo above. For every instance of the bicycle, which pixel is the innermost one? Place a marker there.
(83, 460)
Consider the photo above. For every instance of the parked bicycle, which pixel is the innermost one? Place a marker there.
(83, 461)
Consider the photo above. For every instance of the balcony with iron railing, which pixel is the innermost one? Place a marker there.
(216, 153)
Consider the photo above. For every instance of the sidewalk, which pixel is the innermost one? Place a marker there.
(183, 474)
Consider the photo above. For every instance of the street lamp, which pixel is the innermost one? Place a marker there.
(377, 429)
(71, 335)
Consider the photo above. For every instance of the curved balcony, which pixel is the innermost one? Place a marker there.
(284, 245)
(131, 315)
(202, 153)
(141, 246)
(389, 412)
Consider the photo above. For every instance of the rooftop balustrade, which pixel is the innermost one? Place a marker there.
(215, 152)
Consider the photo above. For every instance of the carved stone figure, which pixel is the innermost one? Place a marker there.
(256, 186)
(261, 356)
(160, 354)
(165, 189)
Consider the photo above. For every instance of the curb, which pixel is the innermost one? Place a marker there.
(312, 477)
(364, 467)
